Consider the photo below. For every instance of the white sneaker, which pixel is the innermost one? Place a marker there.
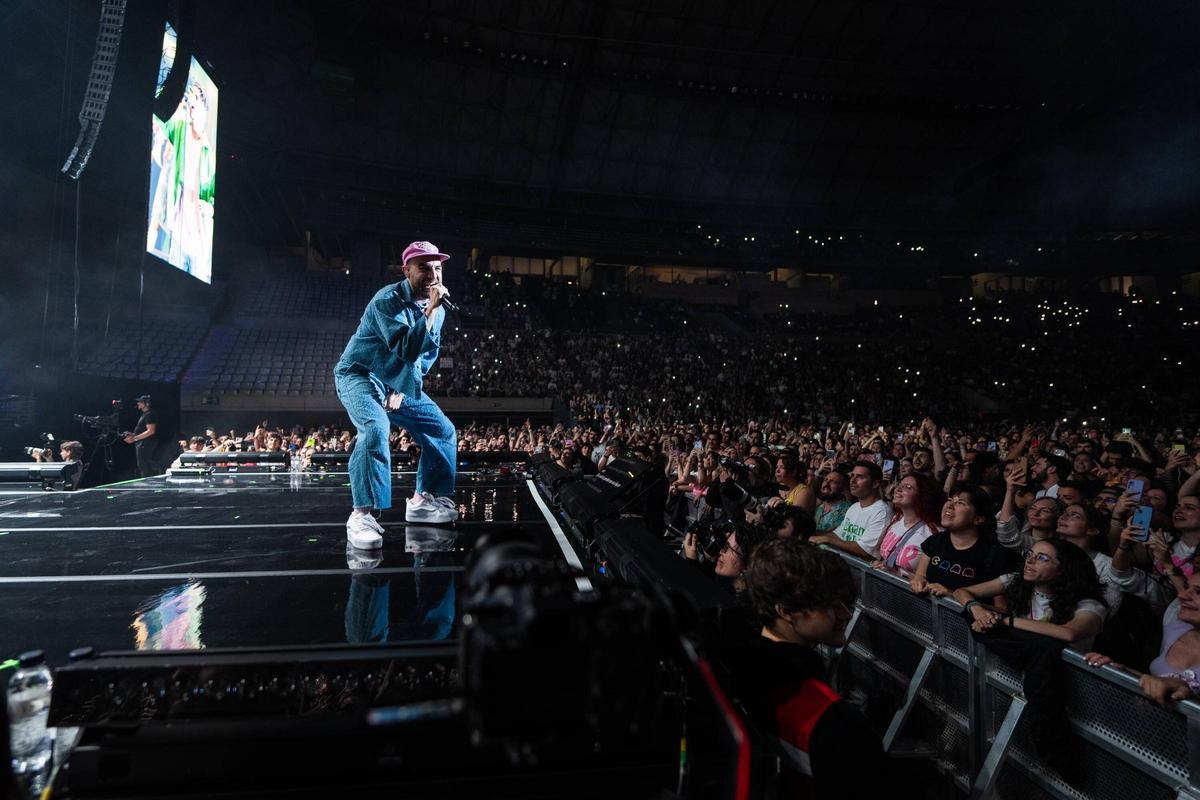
(362, 559)
(427, 508)
(363, 532)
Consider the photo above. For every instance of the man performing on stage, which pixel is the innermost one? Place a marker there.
(378, 380)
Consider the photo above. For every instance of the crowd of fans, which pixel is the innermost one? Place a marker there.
(1057, 497)
(1038, 529)
(1029, 357)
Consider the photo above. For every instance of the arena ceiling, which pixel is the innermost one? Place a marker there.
(963, 124)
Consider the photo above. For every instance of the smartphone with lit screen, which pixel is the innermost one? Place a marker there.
(1142, 517)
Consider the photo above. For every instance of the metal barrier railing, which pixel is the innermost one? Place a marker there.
(962, 706)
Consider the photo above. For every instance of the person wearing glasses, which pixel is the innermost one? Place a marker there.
(1055, 601)
(730, 567)
(1080, 524)
(1056, 594)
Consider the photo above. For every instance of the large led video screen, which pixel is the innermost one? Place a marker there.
(170, 45)
(183, 171)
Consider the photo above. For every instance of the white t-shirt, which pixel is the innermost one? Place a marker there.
(1112, 586)
(1051, 492)
(1039, 609)
(864, 526)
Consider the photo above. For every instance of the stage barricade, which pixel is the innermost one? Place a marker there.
(962, 706)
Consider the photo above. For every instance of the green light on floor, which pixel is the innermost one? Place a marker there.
(5, 533)
(311, 539)
(237, 516)
(12, 662)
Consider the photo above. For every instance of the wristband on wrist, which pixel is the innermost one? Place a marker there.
(967, 606)
(1012, 620)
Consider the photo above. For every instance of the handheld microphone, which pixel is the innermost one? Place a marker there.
(445, 302)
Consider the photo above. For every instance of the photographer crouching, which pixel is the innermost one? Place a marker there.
(70, 451)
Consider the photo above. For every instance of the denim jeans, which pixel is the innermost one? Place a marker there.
(371, 459)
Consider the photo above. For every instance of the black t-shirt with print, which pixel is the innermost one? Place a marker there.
(956, 569)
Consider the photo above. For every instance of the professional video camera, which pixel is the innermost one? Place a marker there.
(48, 443)
(547, 667)
(103, 422)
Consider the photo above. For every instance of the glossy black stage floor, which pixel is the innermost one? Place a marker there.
(241, 560)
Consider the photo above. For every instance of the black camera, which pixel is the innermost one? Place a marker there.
(47, 444)
(736, 468)
(103, 422)
(544, 666)
(711, 536)
(774, 516)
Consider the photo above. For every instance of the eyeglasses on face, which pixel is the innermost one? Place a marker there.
(1041, 558)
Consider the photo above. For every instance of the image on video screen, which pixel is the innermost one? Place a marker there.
(183, 167)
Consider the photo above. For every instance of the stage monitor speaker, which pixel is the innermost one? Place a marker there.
(554, 477)
(583, 507)
(618, 480)
(492, 457)
(400, 457)
(645, 561)
(35, 471)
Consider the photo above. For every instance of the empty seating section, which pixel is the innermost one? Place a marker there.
(167, 347)
(290, 362)
(331, 296)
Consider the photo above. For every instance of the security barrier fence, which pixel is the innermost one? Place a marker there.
(962, 706)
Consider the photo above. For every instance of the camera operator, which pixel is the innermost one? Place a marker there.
(45, 452)
(145, 437)
(745, 487)
(727, 547)
(67, 451)
(787, 521)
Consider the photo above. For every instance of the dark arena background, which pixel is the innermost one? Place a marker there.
(568, 398)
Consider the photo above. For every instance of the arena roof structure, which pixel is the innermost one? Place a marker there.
(758, 132)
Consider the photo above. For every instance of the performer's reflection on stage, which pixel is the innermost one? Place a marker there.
(170, 620)
(427, 615)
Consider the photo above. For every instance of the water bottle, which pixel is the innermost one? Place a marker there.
(295, 470)
(32, 742)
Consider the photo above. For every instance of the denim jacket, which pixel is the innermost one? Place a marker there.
(392, 342)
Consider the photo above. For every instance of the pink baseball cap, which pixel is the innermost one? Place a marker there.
(422, 249)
